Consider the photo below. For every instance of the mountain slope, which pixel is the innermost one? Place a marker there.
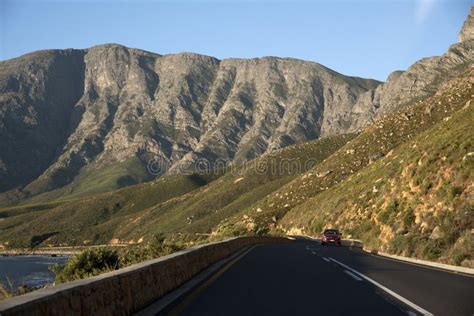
(416, 202)
(176, 204)
(66, 115)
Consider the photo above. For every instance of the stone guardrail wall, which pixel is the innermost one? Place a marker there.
(128, 290)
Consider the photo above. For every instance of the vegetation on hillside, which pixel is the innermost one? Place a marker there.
(81, 221)
(189, 205)
(416, 202)
(296, 206)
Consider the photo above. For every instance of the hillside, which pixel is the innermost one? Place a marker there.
(416, 202)
(81, 221)
(176, 204)
(418, 159)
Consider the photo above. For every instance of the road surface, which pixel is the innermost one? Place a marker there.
(305, 278)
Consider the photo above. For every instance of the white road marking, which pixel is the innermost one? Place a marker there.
(355, 277)
(313, 252)
(387, 290)
(326, 259)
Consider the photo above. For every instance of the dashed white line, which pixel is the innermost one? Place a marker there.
(355, 277)
(387, 290)
(326, 259)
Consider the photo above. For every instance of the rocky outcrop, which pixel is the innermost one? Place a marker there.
(419, 81)
(467, 31)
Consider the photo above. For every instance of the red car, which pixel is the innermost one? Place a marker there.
(332, 236)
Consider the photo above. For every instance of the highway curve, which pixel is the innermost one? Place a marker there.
(305, 278)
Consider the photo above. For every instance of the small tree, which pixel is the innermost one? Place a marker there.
(88, 263)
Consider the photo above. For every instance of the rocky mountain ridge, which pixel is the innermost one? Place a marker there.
(78, 121)
(63, 112)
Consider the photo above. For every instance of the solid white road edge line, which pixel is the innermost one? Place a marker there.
(355, 277)
(326, 259)
(397, 296)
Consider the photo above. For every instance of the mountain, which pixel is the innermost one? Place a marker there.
(77, 122)
(90, 120)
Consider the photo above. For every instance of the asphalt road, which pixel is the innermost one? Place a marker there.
(305, 278)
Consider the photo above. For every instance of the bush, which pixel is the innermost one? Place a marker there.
(403, 244)
(389, 213)
(459, 258)
(358, 230)
(433, 249)
(88, 263)
(408, 218)
(157, 247)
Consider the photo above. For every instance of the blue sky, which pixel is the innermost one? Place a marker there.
(368, 38)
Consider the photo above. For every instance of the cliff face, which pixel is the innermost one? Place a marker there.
(62, 111)
(467, 31)
(37, 96)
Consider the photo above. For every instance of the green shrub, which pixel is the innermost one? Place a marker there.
(449, 226)
(459, 258)
(408, 218)
(433, 249)
(404, 243)
(88, 263)
(390, 212)
(359, 230)
(158, 246)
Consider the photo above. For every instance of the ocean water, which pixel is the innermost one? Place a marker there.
(31, 271)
